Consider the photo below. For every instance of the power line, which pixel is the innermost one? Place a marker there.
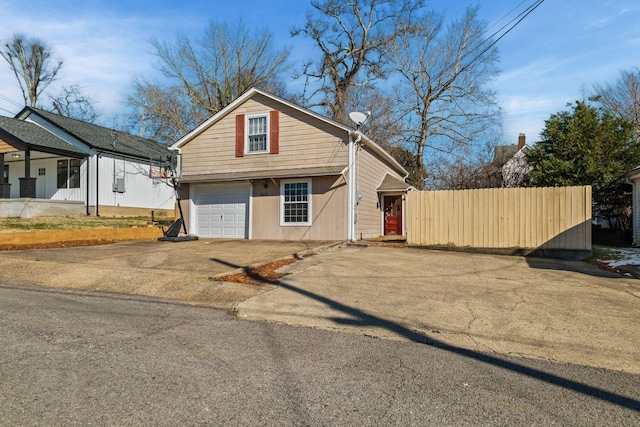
(501, 31)
(10, 101)
(507, 14)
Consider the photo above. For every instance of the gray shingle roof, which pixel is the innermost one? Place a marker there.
(503, 153)
(102, 138)
(36, 137)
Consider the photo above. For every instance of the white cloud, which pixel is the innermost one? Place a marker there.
(100, 54)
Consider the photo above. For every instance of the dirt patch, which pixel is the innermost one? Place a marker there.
(259, 276)
(12, 225)
(54, 245)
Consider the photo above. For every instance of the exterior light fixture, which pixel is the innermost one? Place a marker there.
(15, 156)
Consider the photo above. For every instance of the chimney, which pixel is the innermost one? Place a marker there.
(521, 141)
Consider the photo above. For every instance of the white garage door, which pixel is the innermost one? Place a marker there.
(222, 210)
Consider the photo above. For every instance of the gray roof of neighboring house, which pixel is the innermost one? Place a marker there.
(503, 153)
(32, 135)
(101, 138)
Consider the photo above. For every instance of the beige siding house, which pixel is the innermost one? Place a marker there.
(265, 168)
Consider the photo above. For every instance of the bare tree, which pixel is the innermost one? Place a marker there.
(353, 38)
(163, 113)
(442, 95)
(71, 102)
(205, 77)
(622, 98)
(31, 62)
(381, 125)
(474, 167)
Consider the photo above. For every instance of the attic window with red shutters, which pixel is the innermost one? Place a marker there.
(258, 133)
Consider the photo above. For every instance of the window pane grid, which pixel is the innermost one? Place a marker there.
(257, 134)
(296, 212)
(296, 203)
(258, 143)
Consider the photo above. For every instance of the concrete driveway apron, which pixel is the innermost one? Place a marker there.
(550, 309)
(182, 271)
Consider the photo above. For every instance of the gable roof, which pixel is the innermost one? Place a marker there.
(30, 135)
(502, 153)
(254, 91)
(392, 184)
(100, 138)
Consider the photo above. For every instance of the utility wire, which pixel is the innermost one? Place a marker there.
(514, 22)
(10, 101)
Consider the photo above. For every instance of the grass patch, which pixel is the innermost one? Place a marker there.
(13, 224)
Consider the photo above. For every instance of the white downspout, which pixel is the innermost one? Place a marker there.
(350, 192)
(351, 186)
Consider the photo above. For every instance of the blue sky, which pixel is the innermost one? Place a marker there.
(553, 57)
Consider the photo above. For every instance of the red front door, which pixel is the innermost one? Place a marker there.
(393, 215)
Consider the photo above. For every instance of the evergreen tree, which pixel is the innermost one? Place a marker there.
(587, 146)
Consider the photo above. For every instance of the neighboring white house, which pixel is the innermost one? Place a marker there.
(516, 170)
(70, 166)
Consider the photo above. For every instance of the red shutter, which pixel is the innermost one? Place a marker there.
(274, 131)
(240, 135)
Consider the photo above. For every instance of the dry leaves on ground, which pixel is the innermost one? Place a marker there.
(260, 275)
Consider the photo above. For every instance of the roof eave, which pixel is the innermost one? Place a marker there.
(633, 173)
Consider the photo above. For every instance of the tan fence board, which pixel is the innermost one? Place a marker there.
(552, 218)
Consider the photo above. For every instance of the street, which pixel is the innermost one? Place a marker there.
(106, 359)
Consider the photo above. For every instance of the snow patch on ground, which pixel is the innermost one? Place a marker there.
(621, 257)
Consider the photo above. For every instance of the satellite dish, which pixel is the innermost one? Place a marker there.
(359, 118)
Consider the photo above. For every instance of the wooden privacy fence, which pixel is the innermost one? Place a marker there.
(547, 218)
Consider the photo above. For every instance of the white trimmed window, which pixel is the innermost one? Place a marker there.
(69, 173)
(295, 202)
(257, 131)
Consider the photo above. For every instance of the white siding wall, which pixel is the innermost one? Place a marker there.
(46, 185)
(140, 190)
